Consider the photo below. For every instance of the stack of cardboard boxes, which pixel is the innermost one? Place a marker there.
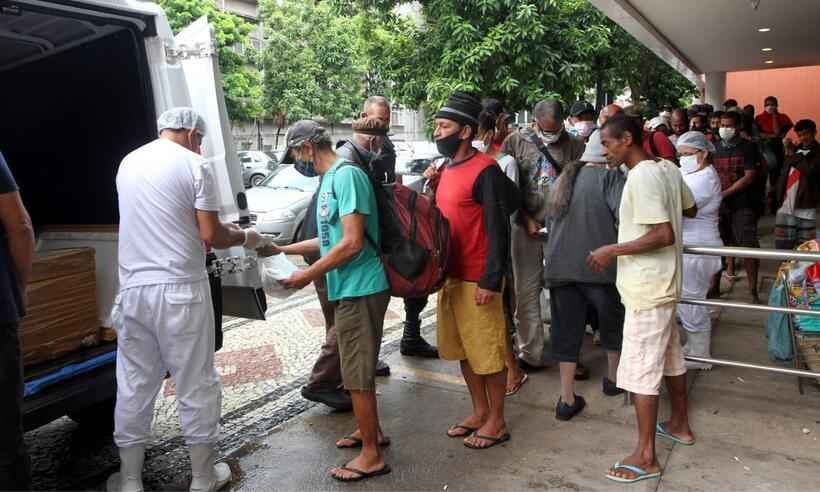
(62, 305)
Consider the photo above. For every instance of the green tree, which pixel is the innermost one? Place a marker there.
(241, 81)
(312, 62)
(520, 50)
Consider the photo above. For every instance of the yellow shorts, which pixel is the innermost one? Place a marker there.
(467, 331)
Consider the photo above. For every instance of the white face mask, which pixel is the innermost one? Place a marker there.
(727, 133)
(550, 137)
(584, 128)
(689, 163)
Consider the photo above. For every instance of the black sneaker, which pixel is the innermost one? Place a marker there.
(336, 399)
(566, 412)
(417, 347)
(382, 369)
(610, 388)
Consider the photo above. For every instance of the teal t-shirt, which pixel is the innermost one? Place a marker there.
(346, 190)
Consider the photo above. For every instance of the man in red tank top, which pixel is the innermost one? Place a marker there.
(477, 198)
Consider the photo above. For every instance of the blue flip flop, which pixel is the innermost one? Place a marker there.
(640, 472)
(659, 430)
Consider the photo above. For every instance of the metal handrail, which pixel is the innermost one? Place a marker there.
(756, 253)
(762, 254)
(752, 307)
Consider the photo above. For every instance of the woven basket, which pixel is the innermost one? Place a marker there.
(808, 349)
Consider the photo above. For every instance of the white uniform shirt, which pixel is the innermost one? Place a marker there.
(160, 186)
(703, 228)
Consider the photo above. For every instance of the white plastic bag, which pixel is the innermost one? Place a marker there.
(272, 270)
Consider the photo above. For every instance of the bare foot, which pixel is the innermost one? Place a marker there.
(681, 431)
(355, 440)
(490, 429)
(466, 427)
(515, 380)
(367, 465)
(648, 467)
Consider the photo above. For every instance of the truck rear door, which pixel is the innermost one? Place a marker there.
(195, 51)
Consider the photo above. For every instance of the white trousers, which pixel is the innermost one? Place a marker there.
(528, 267)
(697, 276)
(166, 327)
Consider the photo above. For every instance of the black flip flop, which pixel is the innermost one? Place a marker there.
(469, 430)
(361, 475)
(357, 443)
(495, 441)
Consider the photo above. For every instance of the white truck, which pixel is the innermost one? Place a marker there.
(81, 85)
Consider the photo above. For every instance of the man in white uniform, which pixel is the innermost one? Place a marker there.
(163, 314)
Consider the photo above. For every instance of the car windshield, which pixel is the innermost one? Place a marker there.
(290, 178)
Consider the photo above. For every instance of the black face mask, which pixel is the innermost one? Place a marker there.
(448, 146)
(305, 168)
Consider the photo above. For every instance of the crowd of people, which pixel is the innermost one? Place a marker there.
(515, 199)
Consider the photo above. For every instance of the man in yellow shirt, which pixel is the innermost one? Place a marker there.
(649, 280)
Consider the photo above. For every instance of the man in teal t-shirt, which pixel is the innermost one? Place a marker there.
(346, 190)
(348, 221)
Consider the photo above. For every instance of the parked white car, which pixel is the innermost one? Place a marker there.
(278, 205)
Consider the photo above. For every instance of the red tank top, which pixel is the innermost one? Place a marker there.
(454, 197)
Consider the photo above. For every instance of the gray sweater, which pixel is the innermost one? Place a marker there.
(590, 222)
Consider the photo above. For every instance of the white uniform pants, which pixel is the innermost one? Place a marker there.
(528, 266)
(166, 327)
(697, 276)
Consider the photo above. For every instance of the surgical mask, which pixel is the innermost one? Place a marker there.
(584, 128)
(689, 163)
(305, 168)
(727, 133)
(448, 146)
(771, 109)
(550, 137)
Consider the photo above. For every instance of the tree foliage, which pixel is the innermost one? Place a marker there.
(312, 61)
(241, 81)
(519, 50)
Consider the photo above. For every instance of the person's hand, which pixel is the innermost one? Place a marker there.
(483, 296)
(600, 259)
(269, 250)
(298, 280)
(255, 240)
(533, 227)
(432, 174)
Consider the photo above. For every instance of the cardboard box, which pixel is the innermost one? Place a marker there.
(62, 309)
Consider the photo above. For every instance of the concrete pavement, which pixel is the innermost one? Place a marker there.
(754, 431)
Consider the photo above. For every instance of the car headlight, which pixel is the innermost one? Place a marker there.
(281, 215)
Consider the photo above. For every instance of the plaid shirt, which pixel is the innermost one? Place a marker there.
(731, 162)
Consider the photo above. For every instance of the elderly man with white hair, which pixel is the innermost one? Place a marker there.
(702, 230)
(163, 315)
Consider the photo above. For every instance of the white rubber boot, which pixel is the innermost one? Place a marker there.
(205, 475)
(698, 344)
(129, 478)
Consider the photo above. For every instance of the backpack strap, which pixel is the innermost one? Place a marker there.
(369, 239)
(536, 140)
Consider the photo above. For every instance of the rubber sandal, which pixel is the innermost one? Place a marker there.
(357, 443)
(470, 430)
(361, 475)
(519, 385)
(659, 430)
(494, 440)
(640, 472)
